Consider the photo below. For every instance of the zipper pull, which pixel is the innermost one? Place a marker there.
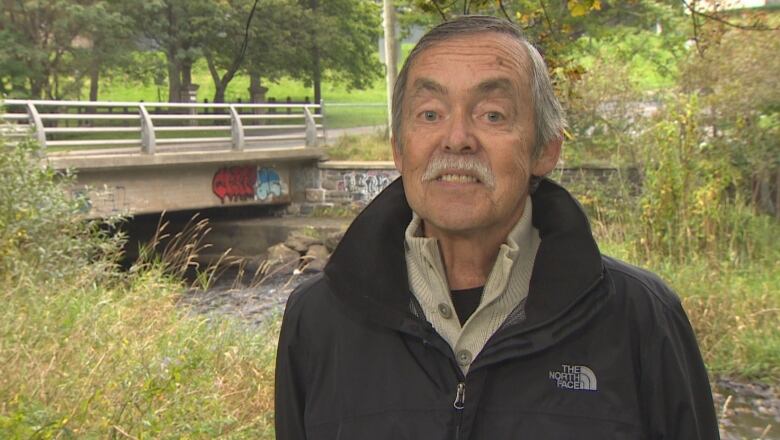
(460, 396)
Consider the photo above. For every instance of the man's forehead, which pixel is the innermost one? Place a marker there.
(498, 58)
(480, 46)
(487, 86)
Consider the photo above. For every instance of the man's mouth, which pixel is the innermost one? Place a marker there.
(457, 178)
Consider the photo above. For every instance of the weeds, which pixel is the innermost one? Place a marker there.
(366, 147)
(89, 351)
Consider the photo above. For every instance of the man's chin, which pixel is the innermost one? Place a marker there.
(456, 223)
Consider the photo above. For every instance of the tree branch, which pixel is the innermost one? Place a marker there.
(438, 9)
(503, 9)
(754, 27)
(546, 17)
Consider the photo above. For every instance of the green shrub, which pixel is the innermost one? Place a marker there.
(42, 230)
(89, 351)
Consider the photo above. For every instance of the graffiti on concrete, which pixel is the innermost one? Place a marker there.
(246, 182)
(365, 185)
(268, 184)
(235, 183)
(107, 200)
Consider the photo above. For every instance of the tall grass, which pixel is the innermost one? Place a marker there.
(687, 219)
(91, 352)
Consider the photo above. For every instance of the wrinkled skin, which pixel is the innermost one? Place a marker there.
(470, 97)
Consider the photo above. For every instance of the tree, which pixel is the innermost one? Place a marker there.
(264, 49)
(179, 28)
(110, 41)
(341, 42)
(42, 44)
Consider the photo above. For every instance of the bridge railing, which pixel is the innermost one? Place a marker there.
(149, 127)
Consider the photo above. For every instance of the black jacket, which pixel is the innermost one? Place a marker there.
(606, 351)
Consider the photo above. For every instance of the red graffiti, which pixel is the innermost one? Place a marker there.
(235, 183)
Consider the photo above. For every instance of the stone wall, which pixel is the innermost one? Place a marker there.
(354, 184)
(350, 183)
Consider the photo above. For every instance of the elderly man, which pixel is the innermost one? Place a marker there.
(469, 299)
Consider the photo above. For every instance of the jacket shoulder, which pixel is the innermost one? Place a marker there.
(640, 285)
(309, 296)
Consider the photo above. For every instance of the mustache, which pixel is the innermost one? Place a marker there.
(443, 163)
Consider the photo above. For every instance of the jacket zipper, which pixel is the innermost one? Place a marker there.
(459, 404)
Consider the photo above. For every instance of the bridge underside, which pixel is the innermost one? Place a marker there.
(139, 183)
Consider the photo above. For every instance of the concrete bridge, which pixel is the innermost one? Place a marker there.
(136, 157)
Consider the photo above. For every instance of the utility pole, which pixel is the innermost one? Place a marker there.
(391, 58)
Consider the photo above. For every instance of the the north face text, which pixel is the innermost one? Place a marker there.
(574, 377)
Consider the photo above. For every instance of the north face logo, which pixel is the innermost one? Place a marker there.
(574, 377)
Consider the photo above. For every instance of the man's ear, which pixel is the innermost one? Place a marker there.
(397, 155)
(547, 161)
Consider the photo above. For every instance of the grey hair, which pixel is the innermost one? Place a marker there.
(549, 118)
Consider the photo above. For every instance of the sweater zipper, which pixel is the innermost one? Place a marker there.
(459, 404)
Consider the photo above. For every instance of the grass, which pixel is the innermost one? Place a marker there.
(89, 351)
(733, 301)
(124, 361)
(125, 89)
(361, 147)
(734, 309)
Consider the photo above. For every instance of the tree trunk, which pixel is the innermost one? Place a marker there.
(254, 86)
(94, 78)
(186, 80)
(316, 72)
(174, 76)
(220, 83)
(316, 75)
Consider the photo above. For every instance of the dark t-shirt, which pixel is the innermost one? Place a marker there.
(466, 302)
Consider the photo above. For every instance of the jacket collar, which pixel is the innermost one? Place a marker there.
(367, 271)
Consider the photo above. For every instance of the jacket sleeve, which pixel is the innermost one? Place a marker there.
(676, 392)
(289, 391)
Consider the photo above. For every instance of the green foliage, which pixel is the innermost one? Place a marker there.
(91, 352)
(48, 48)
(367, 147)
(42, 232)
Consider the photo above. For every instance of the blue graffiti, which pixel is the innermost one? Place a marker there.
(268, 184)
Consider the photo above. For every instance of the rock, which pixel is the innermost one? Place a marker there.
(329, 185)
(333, 239)
(300, 242)
(293, 209)
(315, 195)
(316, 257)
(281, 254)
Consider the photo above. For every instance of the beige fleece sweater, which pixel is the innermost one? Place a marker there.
(506, 286)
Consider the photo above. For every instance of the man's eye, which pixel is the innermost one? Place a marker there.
(430, 115)
(494, 116)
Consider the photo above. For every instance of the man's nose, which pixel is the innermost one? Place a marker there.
(460, 136)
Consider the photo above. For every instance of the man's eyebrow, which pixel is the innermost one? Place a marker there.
(495, 84)
(426, 84)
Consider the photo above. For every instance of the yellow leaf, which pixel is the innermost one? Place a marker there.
(577, 9)
(596, 5)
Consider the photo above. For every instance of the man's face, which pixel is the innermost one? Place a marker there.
(467, 135)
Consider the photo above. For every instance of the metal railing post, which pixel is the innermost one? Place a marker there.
(236, 129)
(311, 128)
(35, 118)
(148, 141)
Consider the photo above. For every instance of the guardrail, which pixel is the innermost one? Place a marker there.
(132, 125)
